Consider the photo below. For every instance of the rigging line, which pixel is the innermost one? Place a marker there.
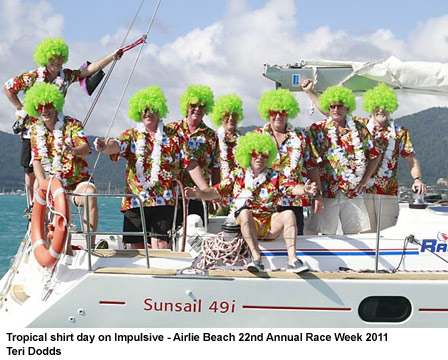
(100, 90)
(103, 84)
(127, 84)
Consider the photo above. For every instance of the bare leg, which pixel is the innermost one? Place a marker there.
(93, 208)
(159, 244)
(139, 245)
(285, 222)
(29, 182)
(249, 232)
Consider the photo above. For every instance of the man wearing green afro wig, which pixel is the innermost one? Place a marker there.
(227, 114)
(296, 158)
(255, 189)
(393, 141)
(153, 155)
(349, 158)
(50, 54)
(197, 140)
(59, 147)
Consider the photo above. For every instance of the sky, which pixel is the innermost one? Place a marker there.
(220, 43)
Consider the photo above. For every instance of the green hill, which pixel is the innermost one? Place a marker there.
(423, 126)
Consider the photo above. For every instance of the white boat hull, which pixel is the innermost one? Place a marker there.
(120, 291)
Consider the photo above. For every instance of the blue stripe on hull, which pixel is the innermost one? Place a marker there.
(339, 253)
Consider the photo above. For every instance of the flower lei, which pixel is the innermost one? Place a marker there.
(250, 184)
(352, 176)
(55, 167)
(223, 148)
(384, 170)
(156, 159)
(42, 73)
(296, 149)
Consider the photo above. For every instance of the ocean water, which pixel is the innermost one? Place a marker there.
(13, 226)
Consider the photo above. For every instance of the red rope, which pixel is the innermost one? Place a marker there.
(134, 44)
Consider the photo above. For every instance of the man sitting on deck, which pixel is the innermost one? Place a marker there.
(255, 191)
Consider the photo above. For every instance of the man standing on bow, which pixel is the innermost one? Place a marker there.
(197, 141)
(50, 54)
(393, 140)
(349, 158)
(153, 159)
(59, 147)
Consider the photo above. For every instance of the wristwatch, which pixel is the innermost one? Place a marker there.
(319, 192)
(417, 178)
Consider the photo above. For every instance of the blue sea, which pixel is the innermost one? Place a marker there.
(13, 226)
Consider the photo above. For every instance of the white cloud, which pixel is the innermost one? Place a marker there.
(227, 55)
(430, 40)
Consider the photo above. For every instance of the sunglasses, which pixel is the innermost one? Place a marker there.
(197, 105)
(336, 106)
(150, 111)
(256, 154)
(227, 115)
(274, 113)
(40, 108)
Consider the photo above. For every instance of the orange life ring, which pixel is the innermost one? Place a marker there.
(49, 256)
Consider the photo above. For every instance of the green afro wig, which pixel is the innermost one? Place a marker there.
(227, 104)
(195, 94)
(255, 142)
(42, 94)
(278, 100)
(382, 97)
(50, 48)
(150, 97)
(337, 94)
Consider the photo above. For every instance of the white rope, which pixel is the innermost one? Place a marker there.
(217, 251)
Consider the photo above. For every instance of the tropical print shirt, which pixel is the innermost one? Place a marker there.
(26, 80)
(295, 155)
(391, 144)
(344, 155)
(265, 197)
(163, 192)
(72, 169)
(201, 145)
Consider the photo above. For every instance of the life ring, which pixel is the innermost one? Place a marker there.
(49, 256)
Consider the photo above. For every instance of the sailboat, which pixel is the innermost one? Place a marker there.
(397, 277)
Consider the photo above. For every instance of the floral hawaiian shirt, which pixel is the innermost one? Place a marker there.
(344, 155)
(163, 192)
(265, 197)
(202, 146)
(296, 169)
(26, 80)
(392, 143)
(74, 168)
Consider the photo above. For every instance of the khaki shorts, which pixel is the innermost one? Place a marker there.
(350, 213)
(389, 210)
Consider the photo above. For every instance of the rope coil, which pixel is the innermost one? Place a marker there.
(216, 251)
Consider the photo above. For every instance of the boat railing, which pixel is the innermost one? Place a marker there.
(90, 233)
